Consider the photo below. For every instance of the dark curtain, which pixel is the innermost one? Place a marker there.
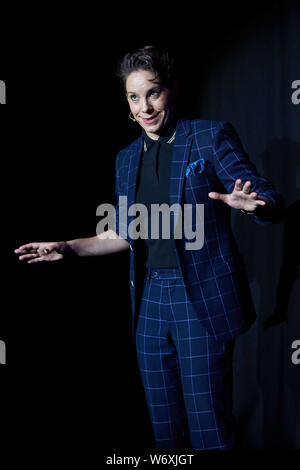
(249, 83)
(71, 382)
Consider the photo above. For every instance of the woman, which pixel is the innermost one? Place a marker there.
(192, 302)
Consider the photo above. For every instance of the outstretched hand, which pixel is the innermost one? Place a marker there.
(241, 197)
(40, 251)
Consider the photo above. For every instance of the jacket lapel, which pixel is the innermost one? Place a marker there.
(134, 164)
(181, 154)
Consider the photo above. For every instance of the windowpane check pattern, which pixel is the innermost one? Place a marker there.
(186, 373)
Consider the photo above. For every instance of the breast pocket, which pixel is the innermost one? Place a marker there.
(196, 190)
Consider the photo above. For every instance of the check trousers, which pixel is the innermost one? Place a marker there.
(186, 373)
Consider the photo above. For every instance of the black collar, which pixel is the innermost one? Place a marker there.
(167, 137)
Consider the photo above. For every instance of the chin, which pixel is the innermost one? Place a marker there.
(156, 127)
(152, 127)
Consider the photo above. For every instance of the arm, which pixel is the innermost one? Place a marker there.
(103, 244)
(247, 190)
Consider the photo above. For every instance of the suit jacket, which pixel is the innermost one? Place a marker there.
(207, 156)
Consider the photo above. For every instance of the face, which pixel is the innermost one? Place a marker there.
(150, 102)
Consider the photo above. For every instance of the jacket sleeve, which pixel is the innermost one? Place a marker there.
(232, 163)
(120, 227)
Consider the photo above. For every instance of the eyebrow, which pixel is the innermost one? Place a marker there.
(153, 88)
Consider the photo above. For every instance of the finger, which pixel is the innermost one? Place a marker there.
(253, 195)
(32, 255)
(214, 195)
(21, 249)
(26, 251)
(253, 205)
(237, 185)
(28, 246)
(247, 186)
(36, 260)
(260, 203)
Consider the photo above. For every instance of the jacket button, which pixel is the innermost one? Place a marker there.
(132, 283)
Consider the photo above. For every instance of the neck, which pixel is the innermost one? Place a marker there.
(152, 136)
(164, 131)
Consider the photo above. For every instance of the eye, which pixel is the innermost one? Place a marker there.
(133, 97)
(155, 93)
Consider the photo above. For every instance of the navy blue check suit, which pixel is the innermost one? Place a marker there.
(185, 322)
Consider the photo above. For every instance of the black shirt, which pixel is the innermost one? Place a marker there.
(153, 188)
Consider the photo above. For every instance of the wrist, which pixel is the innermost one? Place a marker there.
(248, 212)
(65, 248)
(260, 210)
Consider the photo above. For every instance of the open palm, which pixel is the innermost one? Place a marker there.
(241, 197)
(39, 251)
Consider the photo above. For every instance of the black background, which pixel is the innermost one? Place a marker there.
(71, 382)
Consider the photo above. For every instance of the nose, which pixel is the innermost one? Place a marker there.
(146, 106)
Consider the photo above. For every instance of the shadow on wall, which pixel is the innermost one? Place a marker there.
(283, 325)
(284, 176)
(289, 271)
(267, 388)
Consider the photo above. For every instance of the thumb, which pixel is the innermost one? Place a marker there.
(43, 251)
(47, 249)
(214, 195)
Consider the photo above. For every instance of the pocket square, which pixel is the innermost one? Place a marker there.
(195, 167)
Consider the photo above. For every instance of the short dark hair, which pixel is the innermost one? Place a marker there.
(151, 58)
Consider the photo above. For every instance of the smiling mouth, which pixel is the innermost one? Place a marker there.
(150, 120)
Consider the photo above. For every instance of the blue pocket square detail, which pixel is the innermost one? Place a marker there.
(196, 167)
